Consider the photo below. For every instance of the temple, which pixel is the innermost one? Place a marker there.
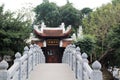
(53, 41)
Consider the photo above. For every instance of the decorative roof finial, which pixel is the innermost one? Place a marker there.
(80, 32)
(43, 25)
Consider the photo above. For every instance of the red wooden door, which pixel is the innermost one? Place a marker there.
(52, 59)
(52, 55)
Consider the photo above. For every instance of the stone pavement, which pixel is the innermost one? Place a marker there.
(52, 71)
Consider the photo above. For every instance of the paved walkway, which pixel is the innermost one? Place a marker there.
(52, 71)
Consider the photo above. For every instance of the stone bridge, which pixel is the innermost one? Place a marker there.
(31, 66)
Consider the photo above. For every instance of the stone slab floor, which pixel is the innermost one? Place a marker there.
(52, 71)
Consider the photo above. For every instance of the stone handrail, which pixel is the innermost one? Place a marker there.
(79, 64)
(23, 65)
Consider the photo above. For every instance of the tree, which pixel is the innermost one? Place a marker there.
(86, 11)
(86, 45)
(114, 2)
(99, 24)
(13, 32)
(70, 15)
(53, 15)
(49, 13)
(113, 41)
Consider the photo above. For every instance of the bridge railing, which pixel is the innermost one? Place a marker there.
(23, 65)
(80, 65)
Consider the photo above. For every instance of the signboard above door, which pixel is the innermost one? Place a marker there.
(52, 42)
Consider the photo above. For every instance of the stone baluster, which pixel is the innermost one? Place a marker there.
(31, 53)
(30, 59)
(3, 70)
(34, 53)
(69, 55)
(77, 61)
(43, 57)
(26, 51)
(84, 57)
(40, 52)
(64, 57)
(96, 74)
(37, 54)
(78, 51)
(70, 59)
(17, 59)
(79, 65)
(74, 59)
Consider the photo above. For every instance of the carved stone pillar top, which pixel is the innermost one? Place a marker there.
(96, 65)
(3, 65)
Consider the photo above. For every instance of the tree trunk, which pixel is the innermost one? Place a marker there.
(107, 52)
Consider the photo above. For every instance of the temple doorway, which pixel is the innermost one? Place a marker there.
(53, 54)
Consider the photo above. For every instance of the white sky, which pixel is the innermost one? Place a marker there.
(79, 4)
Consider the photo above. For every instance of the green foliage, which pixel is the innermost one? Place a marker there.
(13, 32)
(86, 44)
(53, 15)
(70, 15)
(114, 42)
(101, 23)
(115, 2)
(48, 13)
(86, 11)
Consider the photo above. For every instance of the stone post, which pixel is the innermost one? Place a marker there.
(26, 50)
(3, 70)
(78, 51)
(17, 59)
(77, 61)
(84, 57)
(96, 74)
(31, 53)
(37, 54)
(67, 56)
(69, 53)
(73, 57)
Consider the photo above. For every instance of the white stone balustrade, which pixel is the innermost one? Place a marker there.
(79, 64)
(23, 65)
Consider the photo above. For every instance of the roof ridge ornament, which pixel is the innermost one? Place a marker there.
(80, 33)
(63, 27)
(43, 25)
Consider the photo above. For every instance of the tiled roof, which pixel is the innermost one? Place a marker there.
(52, 33)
